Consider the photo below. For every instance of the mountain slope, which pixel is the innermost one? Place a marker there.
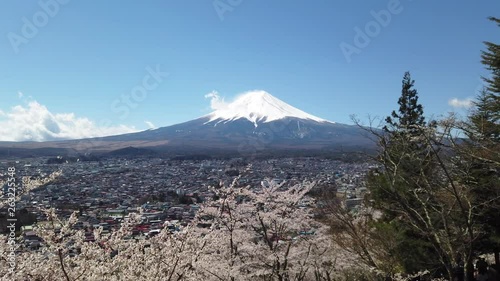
(255, 121)
(259, 120)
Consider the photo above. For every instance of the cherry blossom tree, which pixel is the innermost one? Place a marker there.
(246, 233)
(265, 233)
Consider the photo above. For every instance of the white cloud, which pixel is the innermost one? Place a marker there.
(20, 95)
(216, 102)
(34, 122)
(461, 103)
(150, 124)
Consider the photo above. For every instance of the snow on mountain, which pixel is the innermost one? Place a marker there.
(259, 106)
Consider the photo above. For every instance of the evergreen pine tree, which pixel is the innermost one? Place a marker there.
(411, 114)
(406, 167)
(484, 122)
(491, 59)
(482, 151)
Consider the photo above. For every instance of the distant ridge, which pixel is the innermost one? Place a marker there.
(256, 122)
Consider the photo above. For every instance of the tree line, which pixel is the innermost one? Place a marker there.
(433, 202)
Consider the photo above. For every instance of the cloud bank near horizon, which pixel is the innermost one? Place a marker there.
(34, 122)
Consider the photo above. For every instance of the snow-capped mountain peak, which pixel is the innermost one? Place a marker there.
(259, 106)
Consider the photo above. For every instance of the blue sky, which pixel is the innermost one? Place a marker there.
(83, 57)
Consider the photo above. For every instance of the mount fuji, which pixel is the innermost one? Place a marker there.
(255, 122)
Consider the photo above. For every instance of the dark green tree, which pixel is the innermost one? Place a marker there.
(410, 114)
(416, 191)
(481, 152)
(491, 59)
(483, 124)
(406, 164)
